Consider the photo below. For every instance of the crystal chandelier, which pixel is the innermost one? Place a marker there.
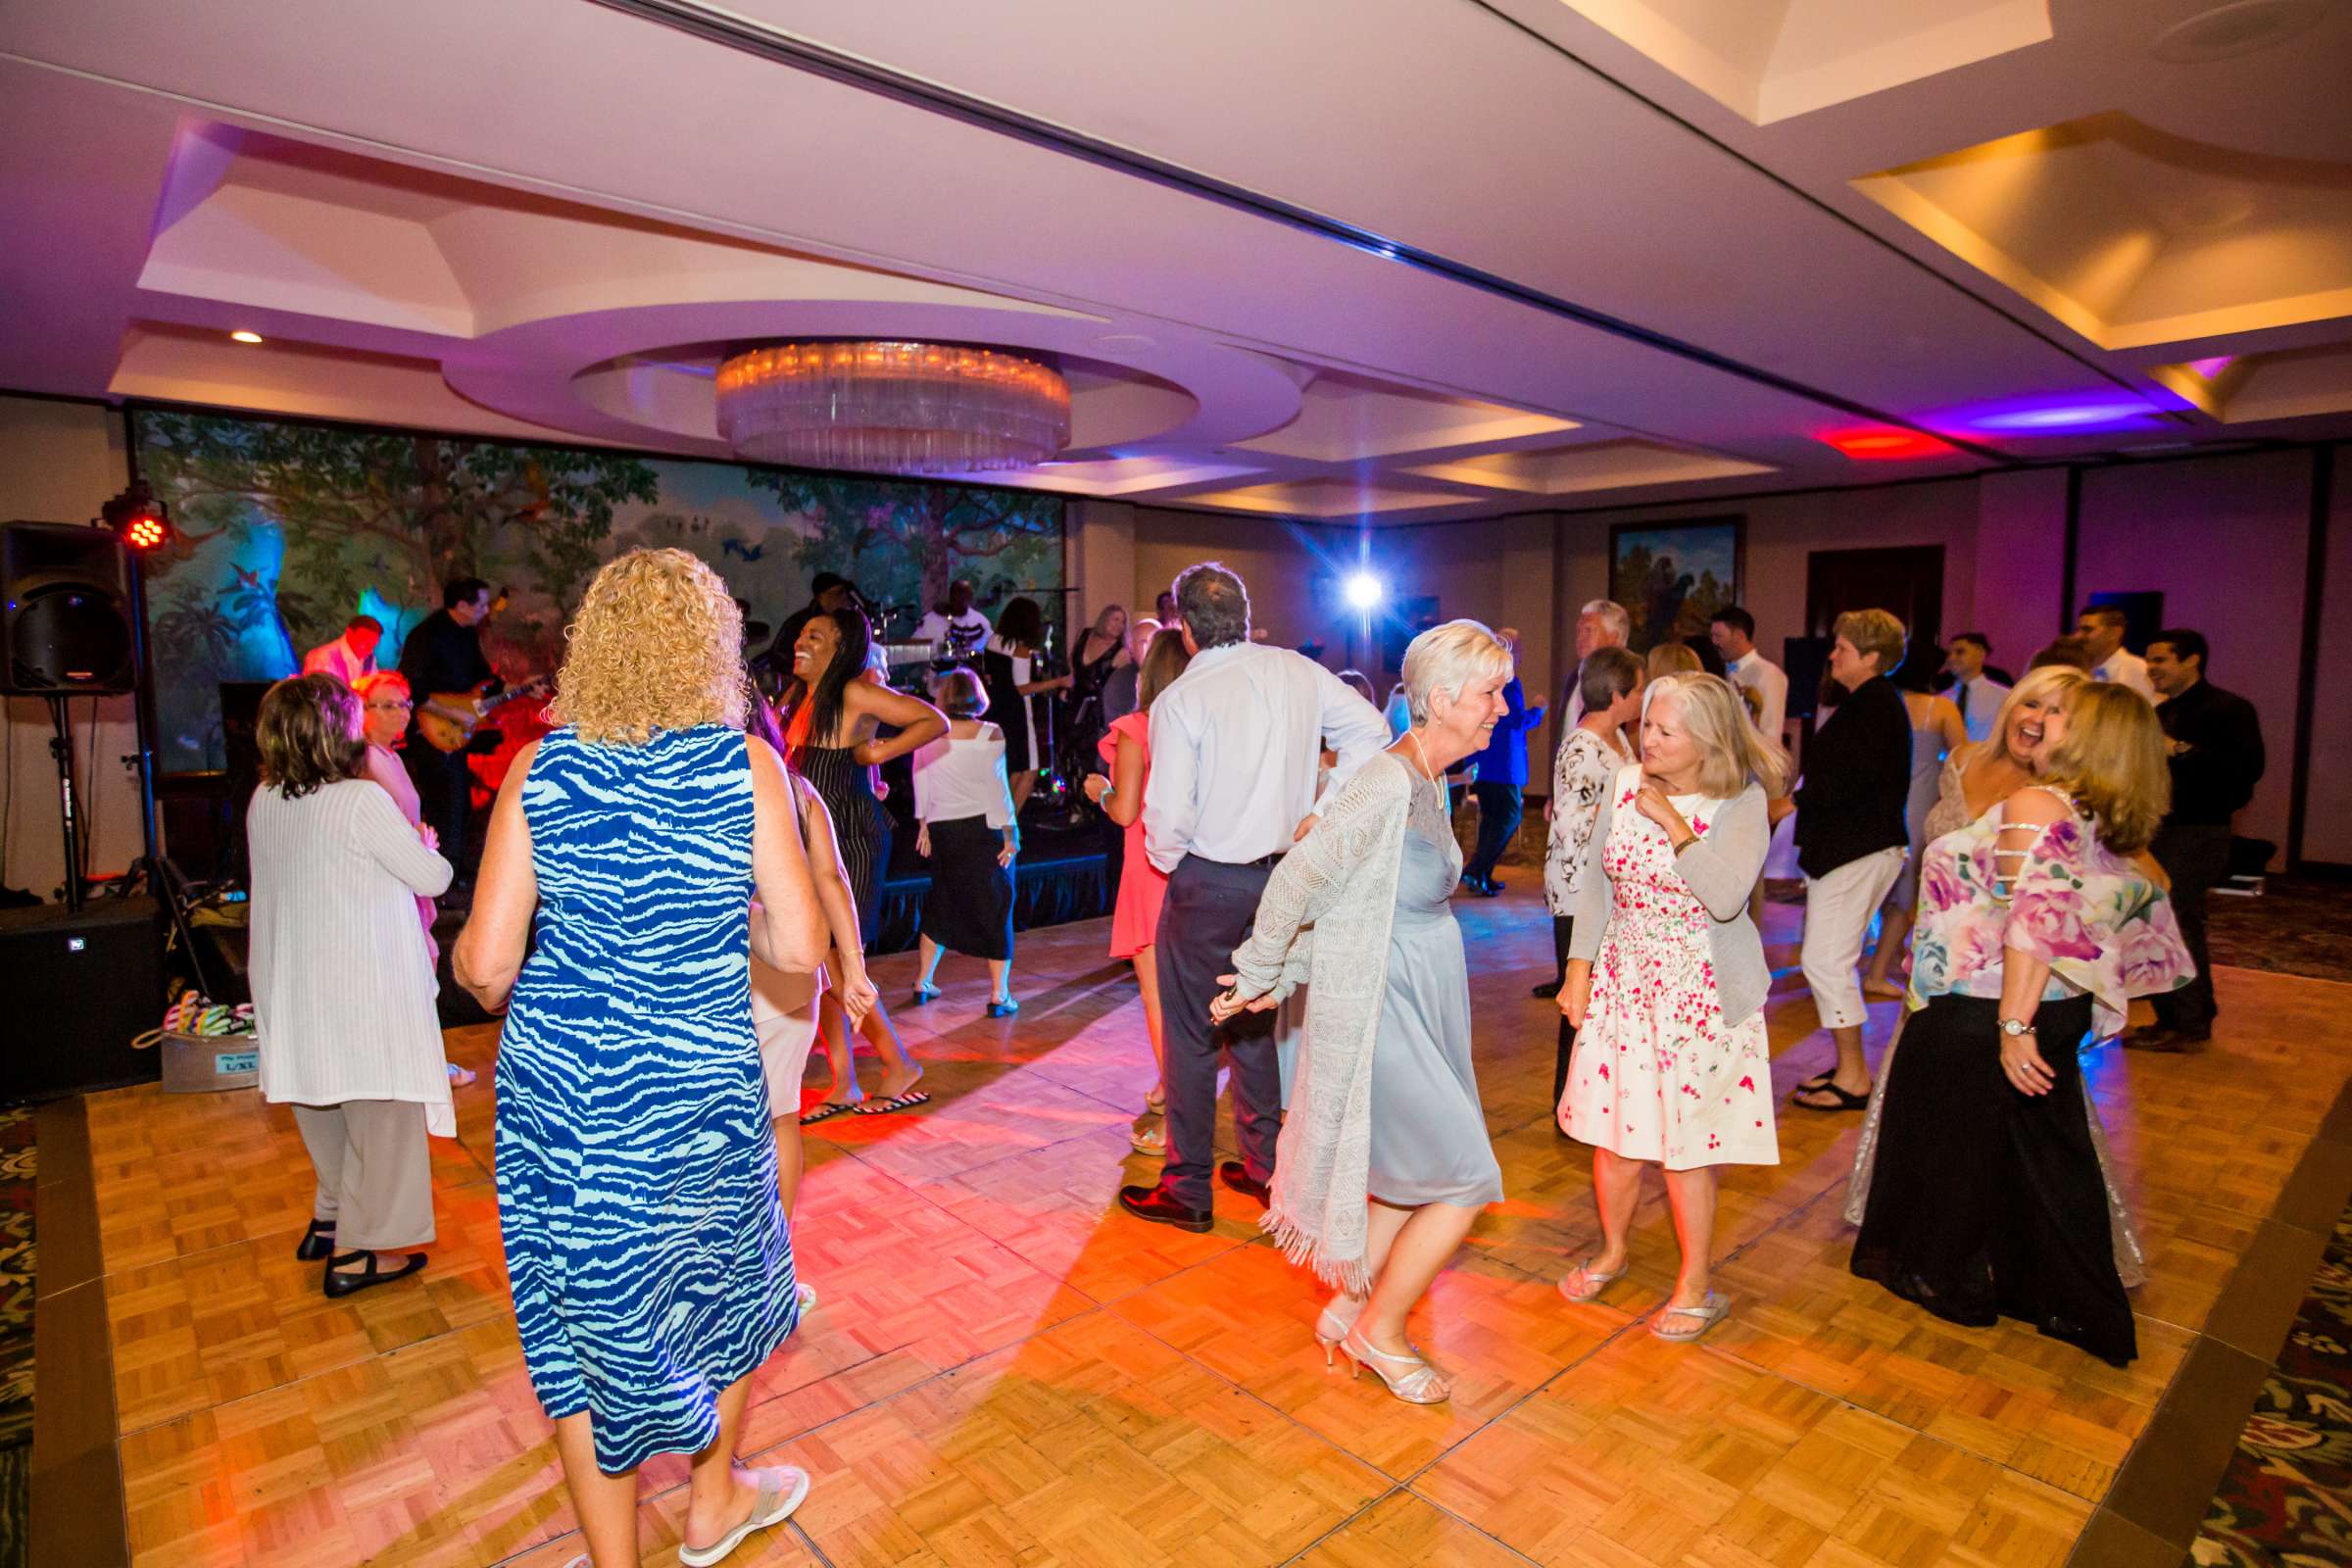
(892, 408)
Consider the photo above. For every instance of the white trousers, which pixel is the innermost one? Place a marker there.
(1837, 911)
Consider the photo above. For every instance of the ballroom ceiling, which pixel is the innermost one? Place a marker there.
(1397, 259)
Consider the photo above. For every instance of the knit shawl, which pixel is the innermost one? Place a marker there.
(1341, 881)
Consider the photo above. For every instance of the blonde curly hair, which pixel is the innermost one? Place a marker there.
(656, 645)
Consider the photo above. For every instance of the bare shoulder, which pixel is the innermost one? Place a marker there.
(2034, 807)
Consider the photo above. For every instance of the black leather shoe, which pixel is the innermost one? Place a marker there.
(2167, 1042)
(317, 1242)
(1236, 1175)
(1154, 1205)
(340, 1283)
(1489, 888)
(1546, 992)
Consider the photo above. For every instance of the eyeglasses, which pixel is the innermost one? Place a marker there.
(402, 706)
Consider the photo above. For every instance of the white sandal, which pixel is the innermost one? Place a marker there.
(781, 1491)
(1414, 1381)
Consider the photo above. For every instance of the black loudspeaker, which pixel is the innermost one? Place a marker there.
(65, 611)
(82, 985)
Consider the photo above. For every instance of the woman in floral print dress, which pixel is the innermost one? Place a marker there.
(1666, 981)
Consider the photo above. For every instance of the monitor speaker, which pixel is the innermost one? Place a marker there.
(82, 985)
(65, 611)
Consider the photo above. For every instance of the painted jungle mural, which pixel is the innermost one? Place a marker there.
(287, 530)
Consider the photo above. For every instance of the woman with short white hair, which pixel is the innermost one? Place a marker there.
(1666, 981)
(1384, 1160)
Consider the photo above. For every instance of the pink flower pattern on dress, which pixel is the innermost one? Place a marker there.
(1686, 1090)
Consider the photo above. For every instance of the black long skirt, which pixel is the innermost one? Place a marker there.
(1988, 1204)
(968, 909)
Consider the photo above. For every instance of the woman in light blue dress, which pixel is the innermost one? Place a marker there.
(1384, 1160)
(649, 1260)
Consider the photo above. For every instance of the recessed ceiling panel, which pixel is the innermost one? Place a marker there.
(2287, 385)
(1767, 60)
(2132, 236)
(1344, 417)
(1327, 498)
(1601, 466)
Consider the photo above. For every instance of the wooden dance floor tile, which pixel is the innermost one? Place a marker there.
(1002, 1368)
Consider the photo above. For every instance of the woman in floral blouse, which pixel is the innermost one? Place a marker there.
(1609, 687)
(2035, 925)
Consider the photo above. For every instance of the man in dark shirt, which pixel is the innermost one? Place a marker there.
(1502, 785)
(443, 655)
(1850, 837)
(2215, 741)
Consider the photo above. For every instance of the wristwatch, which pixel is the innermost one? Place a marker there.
(2013, 1027)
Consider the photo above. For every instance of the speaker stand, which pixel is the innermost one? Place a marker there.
(61, 748)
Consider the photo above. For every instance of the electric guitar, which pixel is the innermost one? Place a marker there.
(447, 720)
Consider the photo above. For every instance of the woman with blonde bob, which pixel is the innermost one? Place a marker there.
(2037, 923)
(1384, 1159)
(650, 1258)
(1666, 981)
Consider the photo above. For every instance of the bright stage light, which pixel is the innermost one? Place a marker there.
(246, 337)
(1363, 590)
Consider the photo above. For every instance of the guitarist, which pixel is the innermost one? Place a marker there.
(443, 654)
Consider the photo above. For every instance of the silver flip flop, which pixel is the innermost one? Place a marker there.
(781, 1491)
(1706, 1314)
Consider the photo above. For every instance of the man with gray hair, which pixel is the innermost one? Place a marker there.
(1602, 623)
(1237, 742)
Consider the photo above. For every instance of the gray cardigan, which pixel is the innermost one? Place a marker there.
(1721, 869)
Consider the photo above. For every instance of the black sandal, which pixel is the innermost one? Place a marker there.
(317, 1242)
(1846, 1100)
(339, 1283)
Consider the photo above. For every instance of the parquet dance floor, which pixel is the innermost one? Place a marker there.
(1003, 1369)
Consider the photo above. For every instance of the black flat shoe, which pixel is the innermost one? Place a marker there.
(1154, 1205)
(317, 1242)
(339, 1283)
(1236, 1175)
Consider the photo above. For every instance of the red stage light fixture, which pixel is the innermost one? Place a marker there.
(139, 519)
(1882, 443)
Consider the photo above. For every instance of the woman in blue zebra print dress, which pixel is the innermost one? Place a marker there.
(650, 1261)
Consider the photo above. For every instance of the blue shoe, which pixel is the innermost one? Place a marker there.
(1004, 1009)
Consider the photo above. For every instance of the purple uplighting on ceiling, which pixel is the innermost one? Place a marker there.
(2063, 414)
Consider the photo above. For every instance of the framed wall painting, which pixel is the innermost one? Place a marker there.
(1672, 578)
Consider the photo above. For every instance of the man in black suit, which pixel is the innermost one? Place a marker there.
(1850, 837)
(2215, 741)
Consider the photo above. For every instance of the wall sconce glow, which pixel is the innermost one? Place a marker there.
(1884, 444)
(242, 336)
(1363, 590)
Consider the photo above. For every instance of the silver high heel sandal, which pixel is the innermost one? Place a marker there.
(1414, 1380)
(1331, 1328)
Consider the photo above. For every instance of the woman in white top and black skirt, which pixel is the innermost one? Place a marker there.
(970, 836)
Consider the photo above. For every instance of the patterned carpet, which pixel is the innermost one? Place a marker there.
(2286, 1497)
(17, 1169)
(2296, 927)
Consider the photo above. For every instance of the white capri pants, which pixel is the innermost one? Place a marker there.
(1837, 911)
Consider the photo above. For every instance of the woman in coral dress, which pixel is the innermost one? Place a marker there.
(1666, 981)
(1126, 750)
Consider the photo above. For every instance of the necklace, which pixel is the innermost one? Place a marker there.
(1427, 771)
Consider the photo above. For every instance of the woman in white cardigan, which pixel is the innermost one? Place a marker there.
(1383, 1159)
(343, 983)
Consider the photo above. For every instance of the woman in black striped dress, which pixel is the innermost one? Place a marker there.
(833, 717)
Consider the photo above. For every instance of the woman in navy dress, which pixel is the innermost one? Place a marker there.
(650, 1261)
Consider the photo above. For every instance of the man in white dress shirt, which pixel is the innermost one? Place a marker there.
(2101, 628)
(1733, 633)
(349, 658)
(1236, 745)
(1602, 623)
(1974, 692)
